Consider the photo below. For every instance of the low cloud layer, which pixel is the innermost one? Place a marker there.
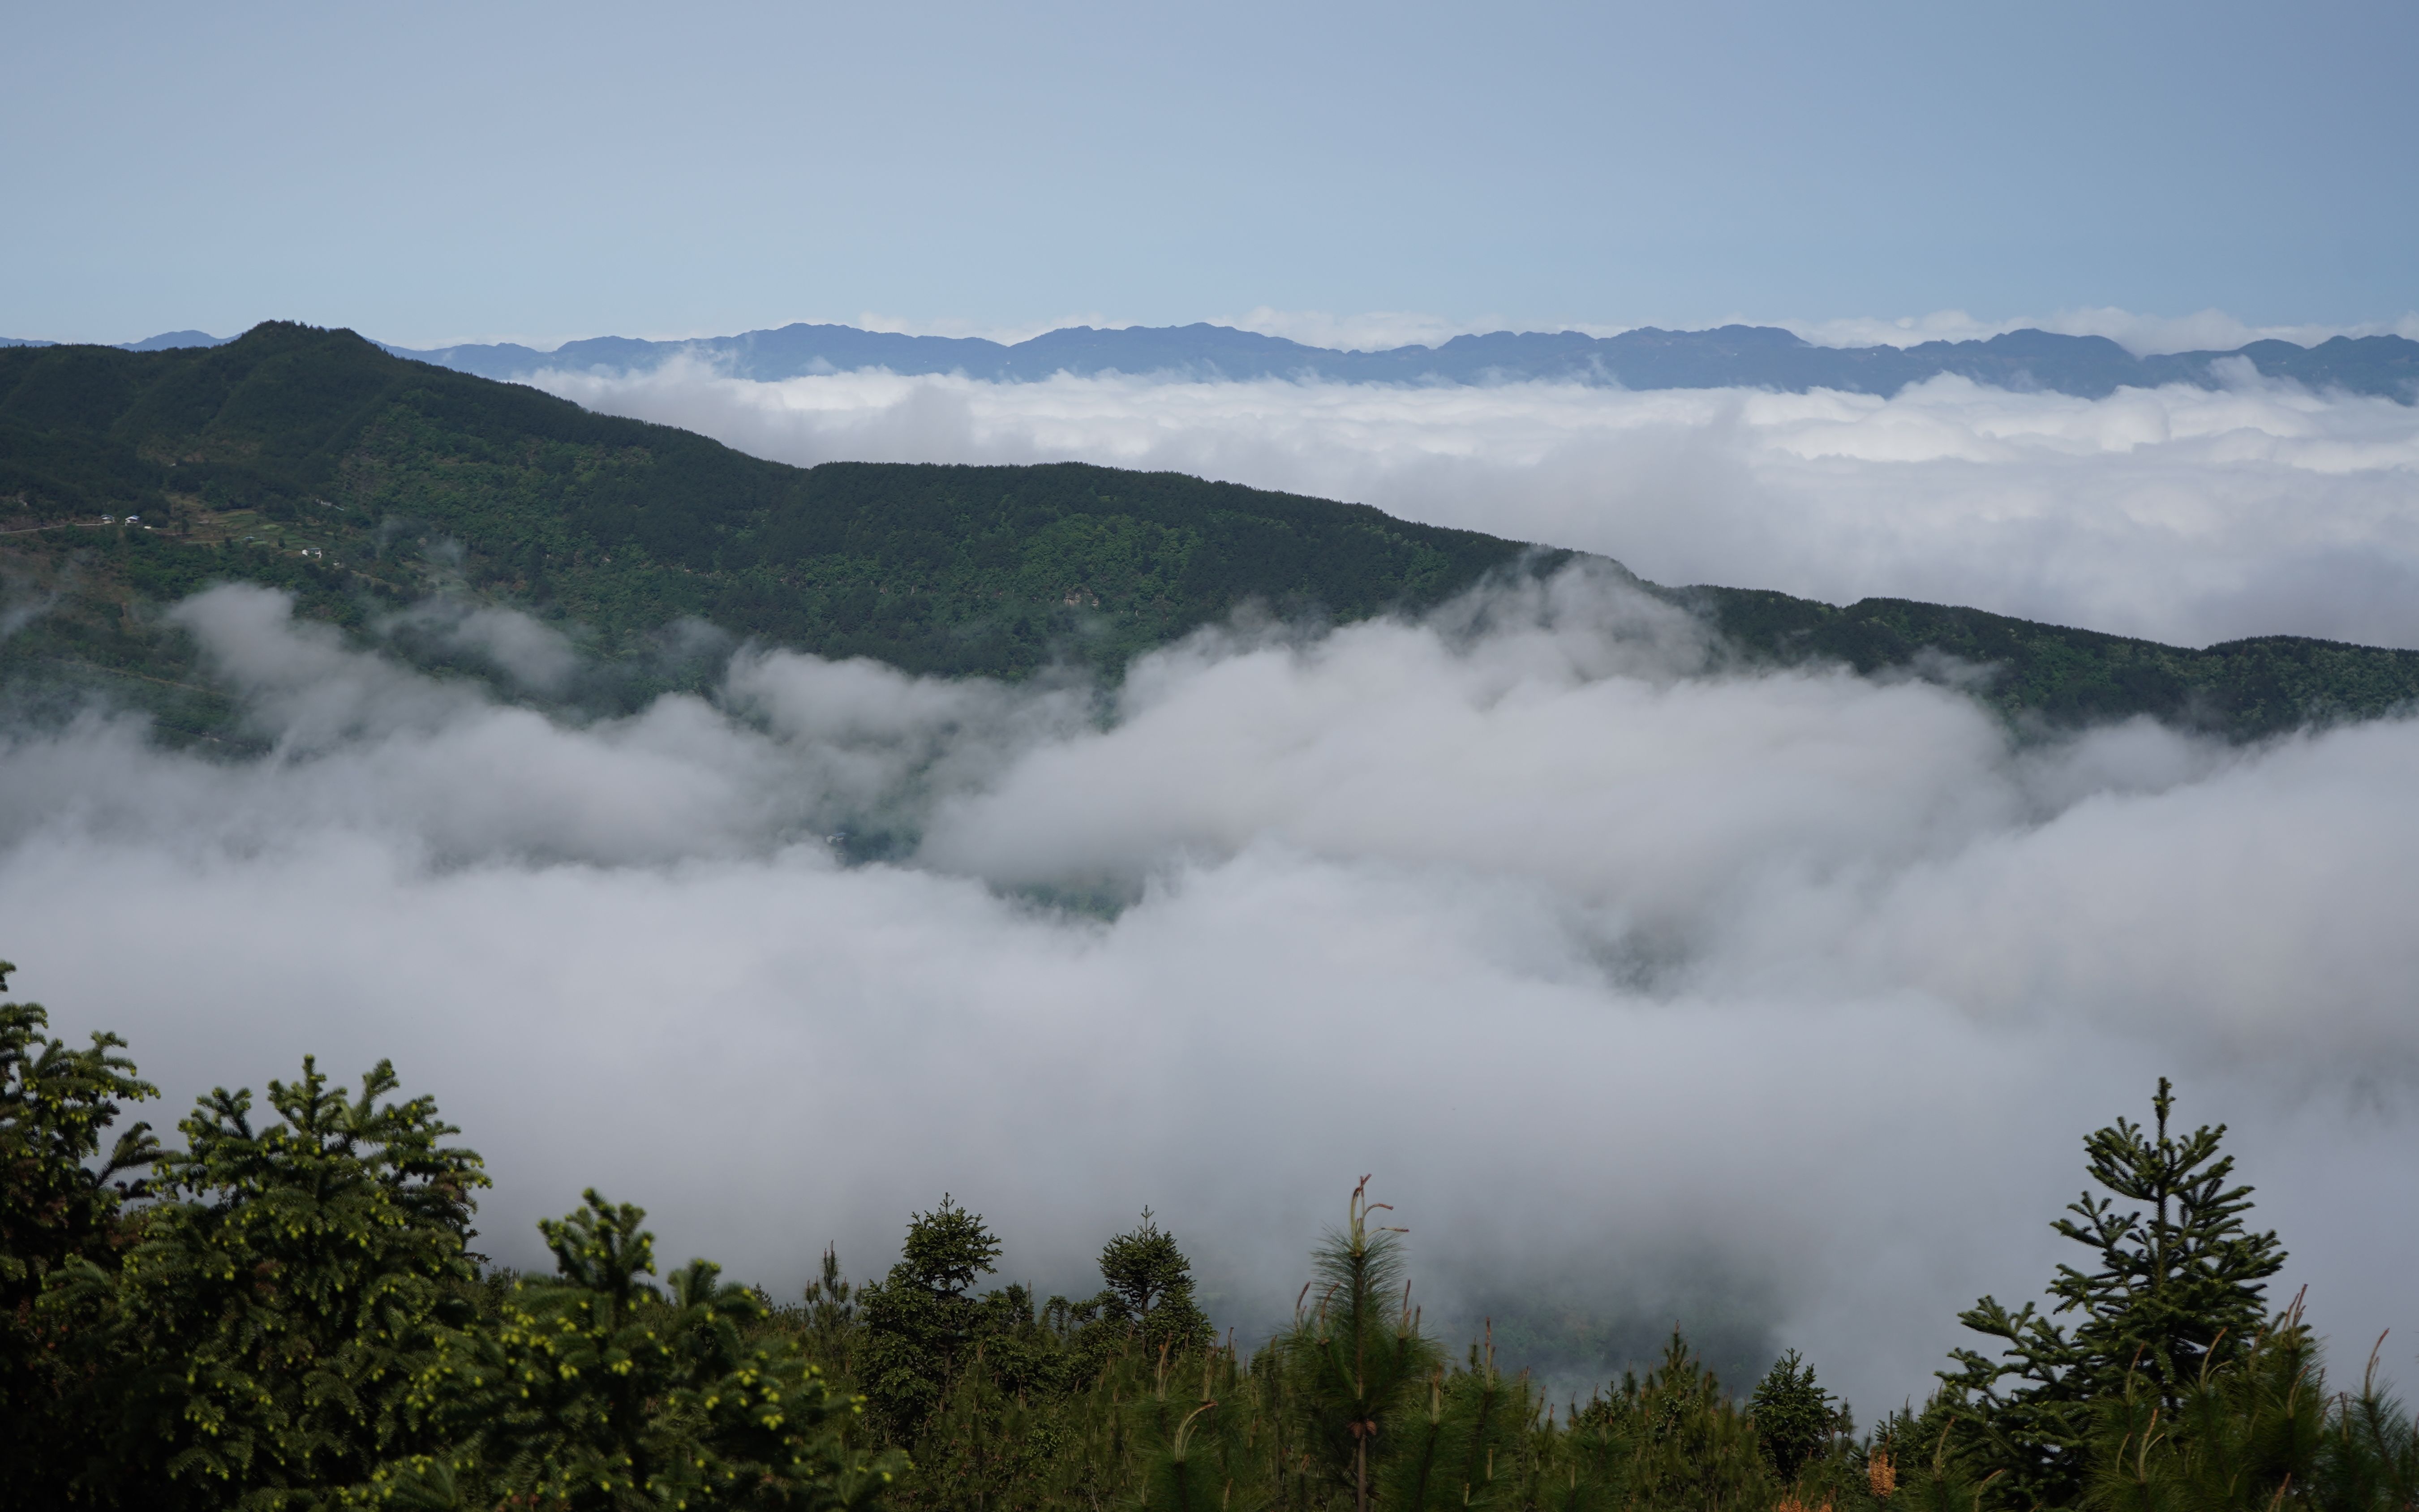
(1776, 1003)
(2181, 515)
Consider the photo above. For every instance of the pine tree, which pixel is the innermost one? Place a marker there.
(1188, 1451)
(831, 1312)
(2258, 1432)
(2374, 1444)
(1357, 1356)
(1917, 1465)
(1456, 1443)
(1695, 1449)
(2175, 1290)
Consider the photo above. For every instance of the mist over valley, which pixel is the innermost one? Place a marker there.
(1706, 956)
(1071, 757)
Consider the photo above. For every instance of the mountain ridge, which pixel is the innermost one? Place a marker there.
(368, 485)
(164, 341)
(1767, 357)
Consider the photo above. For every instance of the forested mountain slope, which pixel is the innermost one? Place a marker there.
(314, 460)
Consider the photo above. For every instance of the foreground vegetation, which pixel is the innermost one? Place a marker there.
(286, 1312)
(316, 462)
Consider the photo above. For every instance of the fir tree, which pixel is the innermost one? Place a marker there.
(59, 1204)
(599, 1391)
(256, 1347)
(1793, 1417)
(920, 1322)
(2173, 1291)
(1150, 1290)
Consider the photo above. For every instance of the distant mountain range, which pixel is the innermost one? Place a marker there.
(1761, 357)
(1751, 356)
(164, 341)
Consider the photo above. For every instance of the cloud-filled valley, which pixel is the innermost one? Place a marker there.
(1775, 1002)
(1152, 759)
(2175, 514)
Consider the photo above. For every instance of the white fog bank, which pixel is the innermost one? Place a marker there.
(2179, 515)
(1788, 997)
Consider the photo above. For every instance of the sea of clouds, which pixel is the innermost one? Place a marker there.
(2179, 514)
(1777, 1005)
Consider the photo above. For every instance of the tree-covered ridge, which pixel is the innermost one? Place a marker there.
(318, 442)
(313, 461)
(286, 1313)
(2244, 688)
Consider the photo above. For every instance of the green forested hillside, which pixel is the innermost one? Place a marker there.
(2243, 688)
(312, 460)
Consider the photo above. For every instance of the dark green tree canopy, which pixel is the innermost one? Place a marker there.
(920, 1322)
(600, 1390)
(299, 1274)
(57, 1103)
(2180, 1280)
(1795, 1418)
(946, 1250)
(1143, 1267)
(62, 1205)
(2174, 1287)
(289, 1321)
(1149, 1288)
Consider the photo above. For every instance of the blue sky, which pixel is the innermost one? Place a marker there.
(437, 172)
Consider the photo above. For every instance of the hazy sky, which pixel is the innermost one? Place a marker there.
(441, 171)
